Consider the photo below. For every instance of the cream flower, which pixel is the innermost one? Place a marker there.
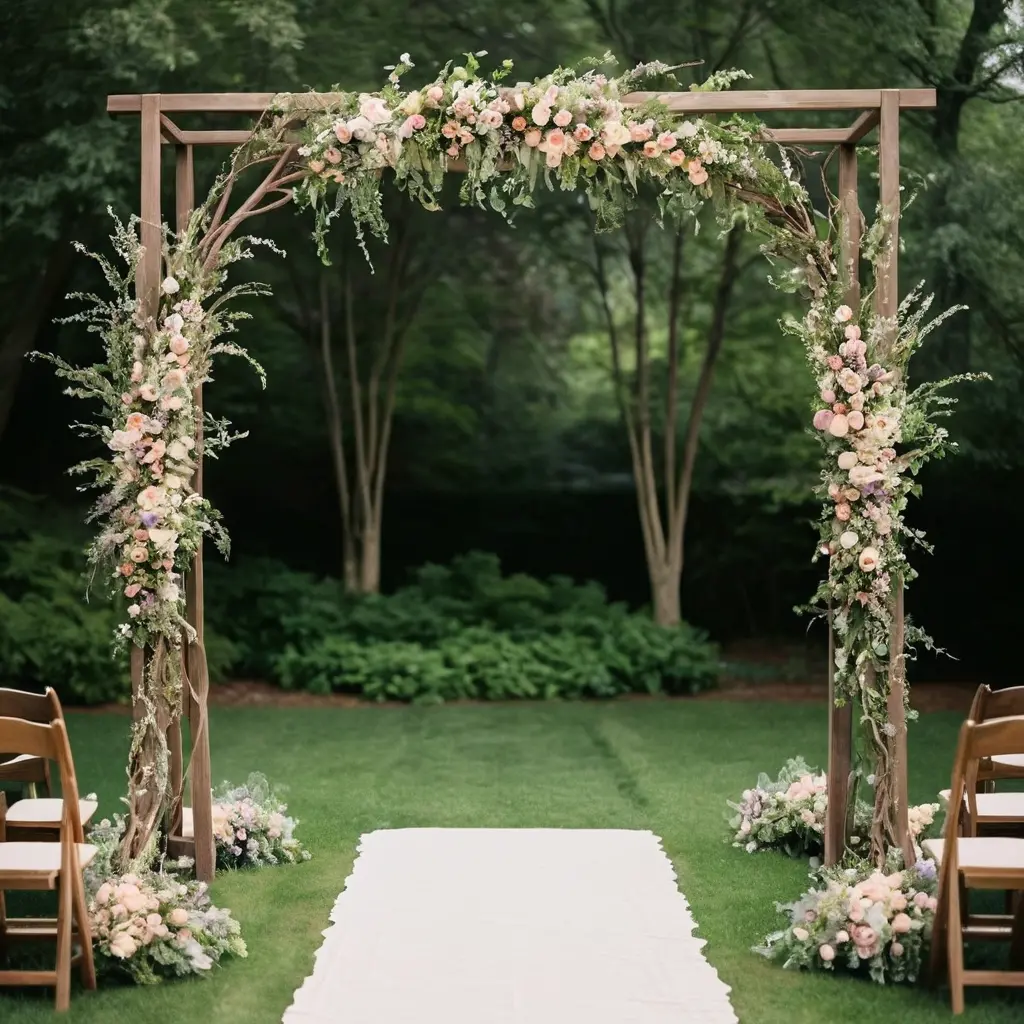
(848, 540)
(169, 286)
(868, 560)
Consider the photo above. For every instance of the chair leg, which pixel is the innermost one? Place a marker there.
(955, 947)
(64, 914)
(1017, 939)
(87, 967)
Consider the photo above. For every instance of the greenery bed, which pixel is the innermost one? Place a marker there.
(462, 631)
(668, 767)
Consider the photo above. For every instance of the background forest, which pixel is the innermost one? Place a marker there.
(493, 389)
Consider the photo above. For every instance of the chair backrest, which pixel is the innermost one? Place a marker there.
(990, 703)
(49, 740)
(30, 707)
(978, 741)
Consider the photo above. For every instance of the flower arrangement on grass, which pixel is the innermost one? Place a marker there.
(251, 827)
(788, 814)
(861, 920)
(149, 925)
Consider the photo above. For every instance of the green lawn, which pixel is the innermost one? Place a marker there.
(667, 767)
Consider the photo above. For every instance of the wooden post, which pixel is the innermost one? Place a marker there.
(840, 719)
(886, 303)
(184, 200)
(196, 709)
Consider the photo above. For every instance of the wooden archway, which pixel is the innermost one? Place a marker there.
(876, 108)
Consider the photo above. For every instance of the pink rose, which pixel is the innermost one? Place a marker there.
(563, 118)
(596, 151)
(316, 166)
(827, 953)
(651, 149)
(532, 137)
(864, 936)
(901, 924)
(843, 512)
(828, 395)
(835, 362)
(179, 345)
(343, 133)
(856, 914)
(583, 133)
(666, 141)
(677, 158)
(920, 900)
(847, 460)
(856, 419)
(333, 155)
(435, 94)
(857, 401)
(842, 936)
(178, 917)
(171, 403)
(822, 419)
(852, 333)
(453, 150)
(843, 313)
(896, 949)
(132, 589)
(139, 555)
(541, 114)
(840, 426)
(173, 380)
(450, 129)
(639, 132)
(147, 393)
(698, 173)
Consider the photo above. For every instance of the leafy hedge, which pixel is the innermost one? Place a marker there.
(455, 632)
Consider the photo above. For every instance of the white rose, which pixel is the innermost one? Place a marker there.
(412, 104)
(687, 130)
(170, 286)
(848, 540)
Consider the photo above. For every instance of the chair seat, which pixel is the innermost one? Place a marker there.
(982, 853)
(45, 812)
(1009, 761)
(21, 759)
(25, 859)
(995, 807)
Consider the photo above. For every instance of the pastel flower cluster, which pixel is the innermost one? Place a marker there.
(789, 813)
(573, 125)
(251, 827)
(860, 416)
(151, 925)
(862, 920)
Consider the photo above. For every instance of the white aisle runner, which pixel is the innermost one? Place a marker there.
(511, 926)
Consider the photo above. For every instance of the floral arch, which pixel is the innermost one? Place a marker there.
(567, 130)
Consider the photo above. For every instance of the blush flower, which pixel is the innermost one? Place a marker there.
(843, 314)
(596, 151)
(519, 123)
(563, 118)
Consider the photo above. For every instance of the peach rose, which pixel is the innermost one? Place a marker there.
(532, 138)
(519, 123)
(868, 562)
(843, 512)
(583, 133)
(563, 118)
(901, 924)
(842, 314)
(839, 427)
(596, 151)
(666, 141)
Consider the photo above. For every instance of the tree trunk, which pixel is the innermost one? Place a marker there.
(665, 583)
(369, 567)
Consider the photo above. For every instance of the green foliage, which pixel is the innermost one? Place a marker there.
(49, 636)
(461, 631)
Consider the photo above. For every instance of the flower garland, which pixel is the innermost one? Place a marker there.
(153, 521)
(570, 130)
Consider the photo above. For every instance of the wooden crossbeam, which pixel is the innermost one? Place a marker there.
(867, 122)
(739, 101)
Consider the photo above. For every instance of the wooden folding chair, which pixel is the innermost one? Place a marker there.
(977, 862)
(49, 866)
(988, 704)
(29, 771)
(34, 816)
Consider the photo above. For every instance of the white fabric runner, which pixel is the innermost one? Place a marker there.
(511, 926)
